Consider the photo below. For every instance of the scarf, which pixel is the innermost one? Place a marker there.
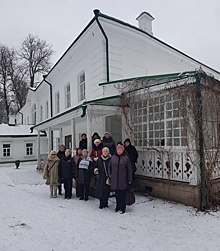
(84, 163)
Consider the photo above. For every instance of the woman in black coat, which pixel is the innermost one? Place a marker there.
(68, 173)
(108, 141)
(60, 155)
(133, 155)
(84, 167)
(102, 190)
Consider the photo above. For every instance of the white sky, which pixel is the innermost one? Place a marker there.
(191, 26)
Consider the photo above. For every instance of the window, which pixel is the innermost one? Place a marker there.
(41, 113)
(157, 122)
(6, 150)
(82, 91)
(57, 102)
(67, 96)
(29, 149)
(47, 110)
(34, 114)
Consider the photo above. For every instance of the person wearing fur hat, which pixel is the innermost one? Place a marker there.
(96, 150)
(108, 141)
(68, 173)
(102, 190)
(84, 167)
(120, 172)
(133, 155)
(51, 172)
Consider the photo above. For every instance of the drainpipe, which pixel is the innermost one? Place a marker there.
(97, 13)
(51, 105)
(201, 146)
(22, 115)
(51, 96)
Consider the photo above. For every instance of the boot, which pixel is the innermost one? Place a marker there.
(55, 191)
(51, 191)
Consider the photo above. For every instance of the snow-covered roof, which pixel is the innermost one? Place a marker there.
(17, 130)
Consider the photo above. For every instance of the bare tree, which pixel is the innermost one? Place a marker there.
(36, 55)
(6, 55)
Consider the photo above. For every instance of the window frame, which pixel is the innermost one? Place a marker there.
(81, 85)
(10, 150)
(67, 95)
(29, 148)
(57, 102)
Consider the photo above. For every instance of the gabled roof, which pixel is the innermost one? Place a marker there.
(127, 25)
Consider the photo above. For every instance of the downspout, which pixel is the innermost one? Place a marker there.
(201, 146)
(51, 105)
(51, 95)
(97, 13)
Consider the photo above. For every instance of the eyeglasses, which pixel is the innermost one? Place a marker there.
(53, 154)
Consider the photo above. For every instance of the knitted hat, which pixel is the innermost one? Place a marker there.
(97, 141)
(120, 147)
(84, 151)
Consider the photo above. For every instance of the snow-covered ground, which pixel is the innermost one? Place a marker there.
(30, 220)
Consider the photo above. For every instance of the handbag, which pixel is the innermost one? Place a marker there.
(129, 197)
(108, 180)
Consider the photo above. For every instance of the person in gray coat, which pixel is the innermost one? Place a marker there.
(120, 172)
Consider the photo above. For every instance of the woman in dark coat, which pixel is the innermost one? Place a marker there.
(108, 141)
(132, 153)
(84, 168)
(83, 141)
(120, 172)
(68, 173)
(76, 158)
(102, 190)
(60, 155)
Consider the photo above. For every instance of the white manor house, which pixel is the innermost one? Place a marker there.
(115, 77)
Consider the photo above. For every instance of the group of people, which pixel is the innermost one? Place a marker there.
(111, 166)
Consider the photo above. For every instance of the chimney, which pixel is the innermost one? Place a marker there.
(145, 22)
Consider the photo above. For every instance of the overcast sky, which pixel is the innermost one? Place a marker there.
(192, 26)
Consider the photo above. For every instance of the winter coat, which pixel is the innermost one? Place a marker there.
(101, 176)
(120, 171)
(83, 175)
(109, 142)
(133, 155)
(60, 155)
(96, 151)
(51, 170)
(83, 144)
(68, 167)
(76, 158)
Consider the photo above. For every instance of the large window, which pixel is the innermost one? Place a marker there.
(157, 122)
(57, 102)
(29, 149)
(6, 150)
(67, 96)
(81, 83)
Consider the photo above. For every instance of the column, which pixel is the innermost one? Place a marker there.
(38, 150)
(73, 133)
(49, 139)
(89, 131)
